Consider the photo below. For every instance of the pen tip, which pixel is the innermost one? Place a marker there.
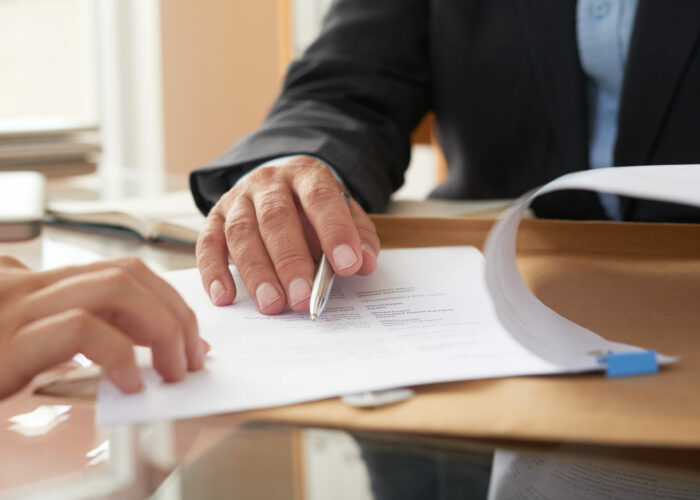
(314, 317)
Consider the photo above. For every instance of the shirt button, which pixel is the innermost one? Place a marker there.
(600, 9)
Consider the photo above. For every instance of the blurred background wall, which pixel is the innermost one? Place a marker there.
(221, 70)
(168, 85)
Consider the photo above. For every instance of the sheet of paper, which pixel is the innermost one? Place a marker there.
(541, 477)
(424, 316)
(542, 330)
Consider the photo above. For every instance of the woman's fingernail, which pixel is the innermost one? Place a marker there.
(183, 364)
(299, 290)
(216, 291)
(343, 257)
(200, 354)
(266, 295)
(205, 345)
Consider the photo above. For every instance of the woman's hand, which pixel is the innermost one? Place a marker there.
(100, 310)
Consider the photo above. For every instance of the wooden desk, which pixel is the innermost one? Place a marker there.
(195, 446)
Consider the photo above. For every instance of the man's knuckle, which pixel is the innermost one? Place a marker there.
(267, 172)
(252, 269)
(273, 213)
(260, 177)
(239, 227)
(206, 242)
(207, 265)
(332, 230)
(289, 261)
(319, 196)
(215, 220)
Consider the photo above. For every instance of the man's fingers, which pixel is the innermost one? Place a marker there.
(324, 204)
(56, 339)
(368, 236)
(276, 221)
(250, 256)
(166, 293)
(283, 236)
(212, 261)
(120, 299)
(311, 237)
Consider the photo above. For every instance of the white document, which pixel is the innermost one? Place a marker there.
(518, 476)
(542, 330)
(424, 316)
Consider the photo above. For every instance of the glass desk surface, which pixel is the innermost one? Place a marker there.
(51, 448)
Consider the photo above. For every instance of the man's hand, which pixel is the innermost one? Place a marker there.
(273, 224)
(101, 310)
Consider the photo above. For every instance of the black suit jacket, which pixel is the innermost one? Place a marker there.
(508, 91)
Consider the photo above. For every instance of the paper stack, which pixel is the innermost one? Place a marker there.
(52, 146)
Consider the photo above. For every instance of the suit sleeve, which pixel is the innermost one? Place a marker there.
(352, 101)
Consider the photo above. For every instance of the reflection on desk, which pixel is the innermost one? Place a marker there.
(542, 477)
(219, 457)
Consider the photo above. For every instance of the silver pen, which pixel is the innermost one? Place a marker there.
(323, 282)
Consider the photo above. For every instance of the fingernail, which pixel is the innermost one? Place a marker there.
(216, 290)
(369, 250)
(343, 257)
(266, 294)
(199, 362)
(205, 345)
(183, 364)
(299, 289)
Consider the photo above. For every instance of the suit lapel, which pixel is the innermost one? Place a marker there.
(549, 30)
(663, 39)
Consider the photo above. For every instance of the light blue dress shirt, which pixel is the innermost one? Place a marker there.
(603, 33)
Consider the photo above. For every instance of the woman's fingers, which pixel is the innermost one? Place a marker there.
(166, 293)
(56, 339)
(120, 299)
(10, 264)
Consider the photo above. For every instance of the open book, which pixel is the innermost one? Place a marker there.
(168, 217)
(426, 315)
(174, 217)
